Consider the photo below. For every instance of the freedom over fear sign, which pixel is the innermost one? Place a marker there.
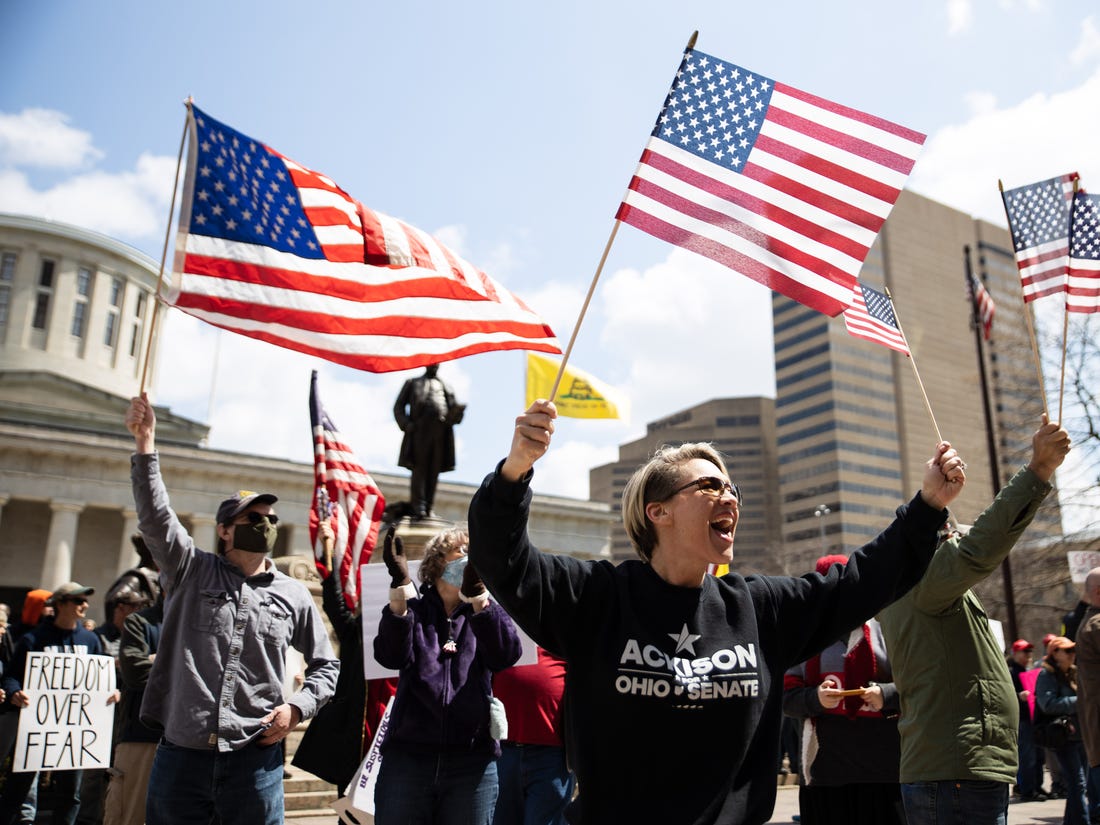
(68, 724)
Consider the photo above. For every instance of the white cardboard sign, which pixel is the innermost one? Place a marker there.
(374, 583)
(68, 724)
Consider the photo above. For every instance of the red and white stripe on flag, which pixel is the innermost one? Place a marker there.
(1083, 288)
(275, 251)
(1039, 221)
(871, 316)
(781, 186)
(345, 495)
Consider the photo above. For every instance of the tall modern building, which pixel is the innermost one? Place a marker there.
(743, 429)
(854, 428)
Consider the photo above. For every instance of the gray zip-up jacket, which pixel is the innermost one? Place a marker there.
(222, 657)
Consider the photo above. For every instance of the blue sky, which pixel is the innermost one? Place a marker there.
(510, 130)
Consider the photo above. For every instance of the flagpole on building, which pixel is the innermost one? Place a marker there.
(913, 360)
(164, 251)
(596, 277)
(1027, 316)
(991, 439)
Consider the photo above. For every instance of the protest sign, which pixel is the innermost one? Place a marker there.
(68, 724)
(375, 594)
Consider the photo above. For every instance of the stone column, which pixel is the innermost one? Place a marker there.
(204, 531)
(127, 554)
(57, 566)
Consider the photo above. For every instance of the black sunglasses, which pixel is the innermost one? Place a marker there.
(712, 486)
(256, 518)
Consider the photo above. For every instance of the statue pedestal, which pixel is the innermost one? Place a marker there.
(414, 535)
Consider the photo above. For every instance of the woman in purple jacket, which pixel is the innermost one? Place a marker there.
(438, 755)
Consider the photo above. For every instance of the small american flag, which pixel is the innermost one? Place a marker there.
(870, 316)
(781, 186)
(272, 250)
(984, 303)
(345, 494)
(1083, 294)
(1038, 218)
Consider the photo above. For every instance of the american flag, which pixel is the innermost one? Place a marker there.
(1038, 218)
(984, 303)
(870, 316)
(346, 495)
(774, 183)
(272, 250)
(1083, 294)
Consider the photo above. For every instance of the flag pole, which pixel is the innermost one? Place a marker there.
(599, 269)
(1065, 311)
(1027, 314)
(164, 251)
(913, 360)
(990, 437)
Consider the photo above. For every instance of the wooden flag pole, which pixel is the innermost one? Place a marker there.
(164, 252)
(596, 277)
(1065, 310)
(1027, 316)
(916, 372)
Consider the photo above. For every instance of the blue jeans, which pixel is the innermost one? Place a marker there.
(22, 790)
(1029, 778)
(535, 785)
(242, 787)
(445, 789)
(1071, 758)
(955, 802)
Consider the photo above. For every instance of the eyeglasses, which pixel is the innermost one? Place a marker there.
(77, 602)
(712, 486)
(255, 518)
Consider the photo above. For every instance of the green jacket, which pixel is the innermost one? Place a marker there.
(959, 711)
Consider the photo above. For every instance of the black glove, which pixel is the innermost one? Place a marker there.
(393, 555)
(472, 585)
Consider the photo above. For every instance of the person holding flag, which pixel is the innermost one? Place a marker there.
(665, 661)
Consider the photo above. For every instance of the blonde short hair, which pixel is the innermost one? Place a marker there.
(655, 481)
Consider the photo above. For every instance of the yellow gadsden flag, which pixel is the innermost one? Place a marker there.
(579, 394)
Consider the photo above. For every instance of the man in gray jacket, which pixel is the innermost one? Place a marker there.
(216, 687)
(959, 713)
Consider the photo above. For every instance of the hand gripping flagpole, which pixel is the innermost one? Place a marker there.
(164, 251)
(599, 270)
(1027, 316)
(913, 360)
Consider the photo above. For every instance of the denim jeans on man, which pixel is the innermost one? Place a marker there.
(444, 789)
(535, 785)
(21, 790)
(955, 802)
(241, 787)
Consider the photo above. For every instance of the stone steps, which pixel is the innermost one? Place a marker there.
(304, 795)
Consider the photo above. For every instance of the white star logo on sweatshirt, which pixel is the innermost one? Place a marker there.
(685, 640)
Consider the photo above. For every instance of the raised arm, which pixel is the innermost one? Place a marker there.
(530, 439)
(141, 421)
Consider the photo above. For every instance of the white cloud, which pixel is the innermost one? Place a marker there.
(1037, 138)
(44, 138)
(981, 103)
(1087, 49)
(132, 204)
(960, 16)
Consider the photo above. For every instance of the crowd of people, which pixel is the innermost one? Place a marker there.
(659, 690)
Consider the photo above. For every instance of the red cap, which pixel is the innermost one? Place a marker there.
(1022, 644)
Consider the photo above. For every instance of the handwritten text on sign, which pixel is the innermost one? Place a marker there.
(67, 725)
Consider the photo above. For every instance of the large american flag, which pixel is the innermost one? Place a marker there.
(272, 250)
(870, 316)
(981, 299)
(784, 187)
(1083, 293)
(1038, 219)
(345, 494)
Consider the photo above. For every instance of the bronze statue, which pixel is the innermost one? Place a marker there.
(426, 411)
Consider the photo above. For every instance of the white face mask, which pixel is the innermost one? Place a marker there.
(452, 573)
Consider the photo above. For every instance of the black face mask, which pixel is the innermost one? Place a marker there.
(255, 538)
